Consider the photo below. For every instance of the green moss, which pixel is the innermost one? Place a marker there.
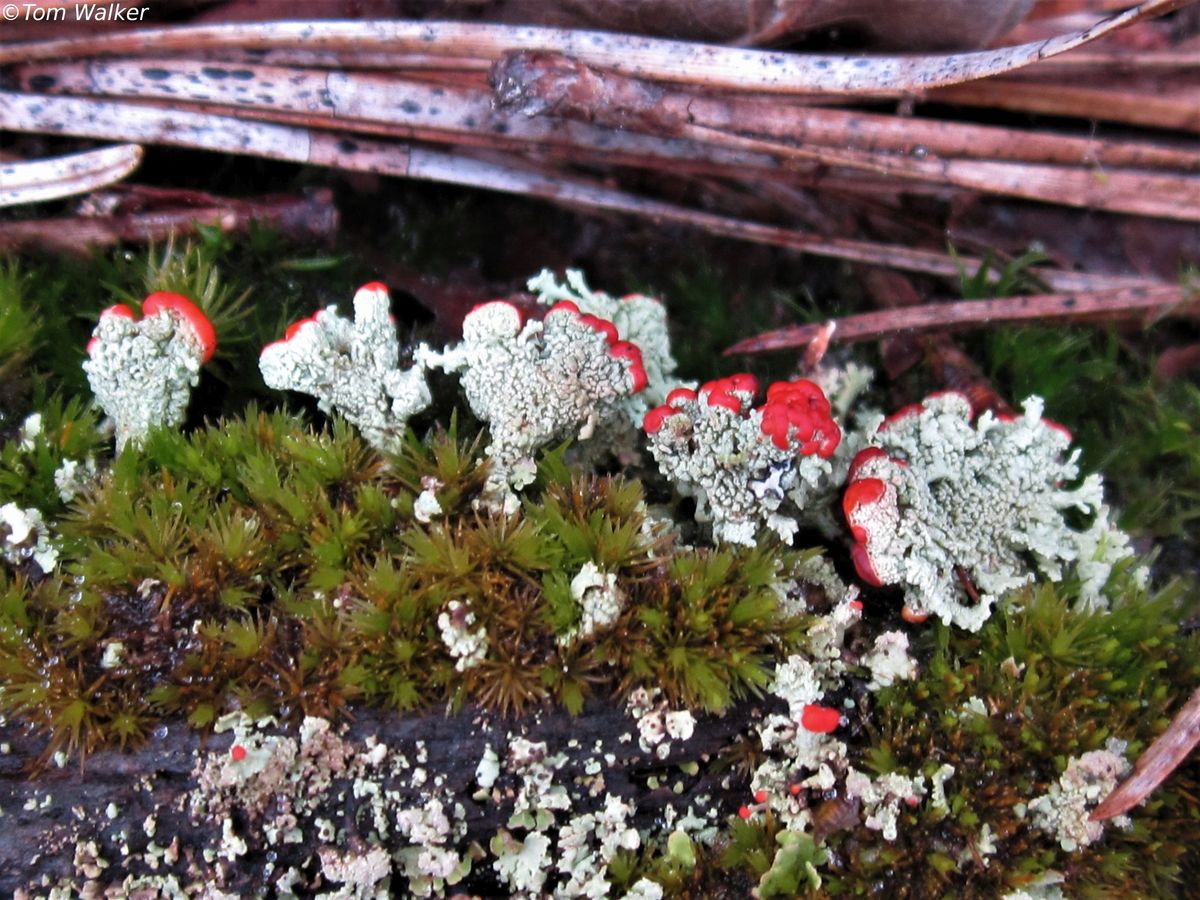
(1008, 707)
(260, 565)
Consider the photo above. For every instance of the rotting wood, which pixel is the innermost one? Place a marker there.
(49, 815)
(58, 115)
(552, 84)
(1081, 101)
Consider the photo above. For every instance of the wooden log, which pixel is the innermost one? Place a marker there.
(238, 812)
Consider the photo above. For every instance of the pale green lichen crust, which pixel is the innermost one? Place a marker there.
(142, 372)
(948, 508)
(537, 383)
(352, 367)
(746, 468)
(638, 318)
(24, 535)
(1064, 810)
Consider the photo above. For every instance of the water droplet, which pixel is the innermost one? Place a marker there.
(920, 152)
(79, 579)
(161, 732)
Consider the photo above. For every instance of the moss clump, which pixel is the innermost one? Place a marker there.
(258, 565)
(1007, 708)
(20, 331)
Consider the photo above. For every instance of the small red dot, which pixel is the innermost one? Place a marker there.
(744, 812)
(794, 787)
(238, 752)
(760, 796)
(912, 801)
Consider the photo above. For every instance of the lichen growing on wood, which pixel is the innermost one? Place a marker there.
(402, 692)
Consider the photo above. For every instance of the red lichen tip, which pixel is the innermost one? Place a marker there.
(863, 565)
(862, 458)
(794, 789)
(565, 306)
(652, 421)
(743, 812)
(760, 796)
(863, 492)
(1062, 429)
(679, 396)
(121, 311)
(913, 409)
(720, 393)
(742, 383)
(910, 615)
(237, 752)
(201, 327)
(118, 309)
(631, 352)
(728, 401)
(821, 719)
(291, 331)
(798, 411)
(605, 327)
(375, 287)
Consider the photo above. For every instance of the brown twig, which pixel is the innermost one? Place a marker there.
(1159, 760)
(371, 104)
(551, 83)
(301, 219)
(65, 176)
(671, 61)
(1080, 101)
(1122, 303)
(175, 127)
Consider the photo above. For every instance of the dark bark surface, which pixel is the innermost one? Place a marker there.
(87, 827)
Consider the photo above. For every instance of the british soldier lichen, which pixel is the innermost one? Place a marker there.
(538, 383)
(297, 571)
(351, 366)
(142, 370)
(748, 467)
(960, 513)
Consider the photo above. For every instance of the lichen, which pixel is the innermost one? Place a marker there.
(639, 319)
(658, 725)
(1064, 810)
(539, 382)
(748, 468)
(468, 646)
(600, 601)
(889, 661)
(26, 537)
(960, 514)
(352, 367)
(142, 371)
